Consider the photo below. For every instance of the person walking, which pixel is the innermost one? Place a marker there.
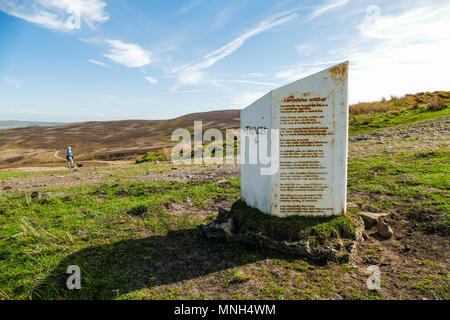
(69, 158)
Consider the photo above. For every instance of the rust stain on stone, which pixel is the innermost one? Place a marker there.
(338, 72)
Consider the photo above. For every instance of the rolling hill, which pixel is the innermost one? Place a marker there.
(131, 139)
(105, 140)
(13, 124)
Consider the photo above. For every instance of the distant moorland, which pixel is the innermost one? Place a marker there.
(14, 124)
(132, 139)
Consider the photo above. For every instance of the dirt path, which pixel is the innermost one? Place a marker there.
(58, 157)
(115, 172)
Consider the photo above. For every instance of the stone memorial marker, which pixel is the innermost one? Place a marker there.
(304, 127)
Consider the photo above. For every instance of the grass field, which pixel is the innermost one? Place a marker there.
(137, 239)
(366, 122)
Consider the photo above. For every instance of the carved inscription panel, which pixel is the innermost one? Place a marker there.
(304, 139)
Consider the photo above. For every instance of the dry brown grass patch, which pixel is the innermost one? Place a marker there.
(368, 107)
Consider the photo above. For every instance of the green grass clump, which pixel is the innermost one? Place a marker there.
(137, 210)
(411, 108)
(366, 122)
(416, 184)
(152, 157)
(240, 276)
(15, 174)
(294, 228)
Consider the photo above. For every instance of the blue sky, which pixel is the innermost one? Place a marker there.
(81, 60)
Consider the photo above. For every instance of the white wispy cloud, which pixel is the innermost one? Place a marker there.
(253, 74)
(100, 63)
(289, 73)
(327, 7)
(243, 99)
(193, 4)
(223, 16)
(151, 80)
(60, 15)
(391, 54)
(217, 55)
(305, 49)
(297, 72)
(128, 54)
(403, 53)
(189, 76)
(192, 73)
(258, 83)
(416, 24)
(12, 81)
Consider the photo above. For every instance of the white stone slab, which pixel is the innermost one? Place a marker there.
(310, 117)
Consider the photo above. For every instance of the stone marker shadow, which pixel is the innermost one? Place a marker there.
(128, 265)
